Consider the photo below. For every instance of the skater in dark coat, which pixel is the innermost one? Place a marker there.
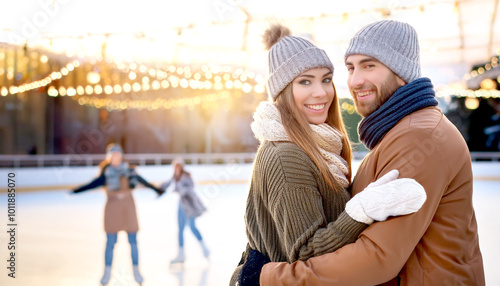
(119, 179)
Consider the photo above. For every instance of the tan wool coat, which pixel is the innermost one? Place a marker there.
(438, 245)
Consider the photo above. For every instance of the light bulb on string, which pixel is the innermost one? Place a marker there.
(89, 90)
(132, 75)
(62, 91)
(165, 84)
(136, 87)
(98, 89)
(52, 91)
(71, 91)
(117, 88)
(80, 90)
(156, 85)
(127, 87)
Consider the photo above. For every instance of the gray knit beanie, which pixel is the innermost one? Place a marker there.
(393, 43)
(290, 56)
(113, 148)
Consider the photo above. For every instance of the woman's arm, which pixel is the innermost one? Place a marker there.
(299, 214)
(146, 183)
(97, 182)
(293, 199)
(165, 185)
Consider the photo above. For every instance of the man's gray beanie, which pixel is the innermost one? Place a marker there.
(290, 57)
(393, 43)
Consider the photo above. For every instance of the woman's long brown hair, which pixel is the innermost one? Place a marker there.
(183, 171)
(298, 129)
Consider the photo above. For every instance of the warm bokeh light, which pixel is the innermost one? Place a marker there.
(132, 76)
(471, 103)
(93, 77)
(488, 84)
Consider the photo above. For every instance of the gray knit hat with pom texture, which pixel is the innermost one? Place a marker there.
(393, 43)
(113, 148)
(290, 56)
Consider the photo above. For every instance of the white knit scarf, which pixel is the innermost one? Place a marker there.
(267, 125)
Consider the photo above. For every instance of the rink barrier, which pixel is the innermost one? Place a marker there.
(70, 160)
(69, 187)
(74, 160)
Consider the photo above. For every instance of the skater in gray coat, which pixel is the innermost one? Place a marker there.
(190, 206)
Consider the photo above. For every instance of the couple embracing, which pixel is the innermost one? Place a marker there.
(407, 217)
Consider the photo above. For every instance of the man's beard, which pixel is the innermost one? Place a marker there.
(387, 89)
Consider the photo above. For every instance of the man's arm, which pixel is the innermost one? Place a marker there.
(384, 247)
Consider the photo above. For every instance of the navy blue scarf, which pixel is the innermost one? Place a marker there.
(407, 99)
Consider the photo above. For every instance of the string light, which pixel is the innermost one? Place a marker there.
(159, 103)
(52, 91)
(222, 79)
(71, 91)
(64, 71)
(175, 76)
(132, 75)
(98, 89)
(80, 90)
(482, 69)
(89, 90)
(468, 93)
(62, 91)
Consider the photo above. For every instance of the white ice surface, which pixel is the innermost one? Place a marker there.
(61, 241)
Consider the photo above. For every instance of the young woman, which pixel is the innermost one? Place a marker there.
(190, 206)
(298, 205)
(119, 213)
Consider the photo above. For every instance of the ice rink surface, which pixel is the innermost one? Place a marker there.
(60, 238)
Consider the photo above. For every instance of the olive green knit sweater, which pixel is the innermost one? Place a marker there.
(291, 211)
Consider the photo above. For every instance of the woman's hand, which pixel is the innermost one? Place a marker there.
(250, 272)
(159, 192)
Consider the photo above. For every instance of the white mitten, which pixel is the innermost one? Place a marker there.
(386, 197)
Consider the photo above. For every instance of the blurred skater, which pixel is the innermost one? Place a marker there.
(190, 207)
(119, 213)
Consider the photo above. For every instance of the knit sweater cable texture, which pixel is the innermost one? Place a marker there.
(292, 213)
